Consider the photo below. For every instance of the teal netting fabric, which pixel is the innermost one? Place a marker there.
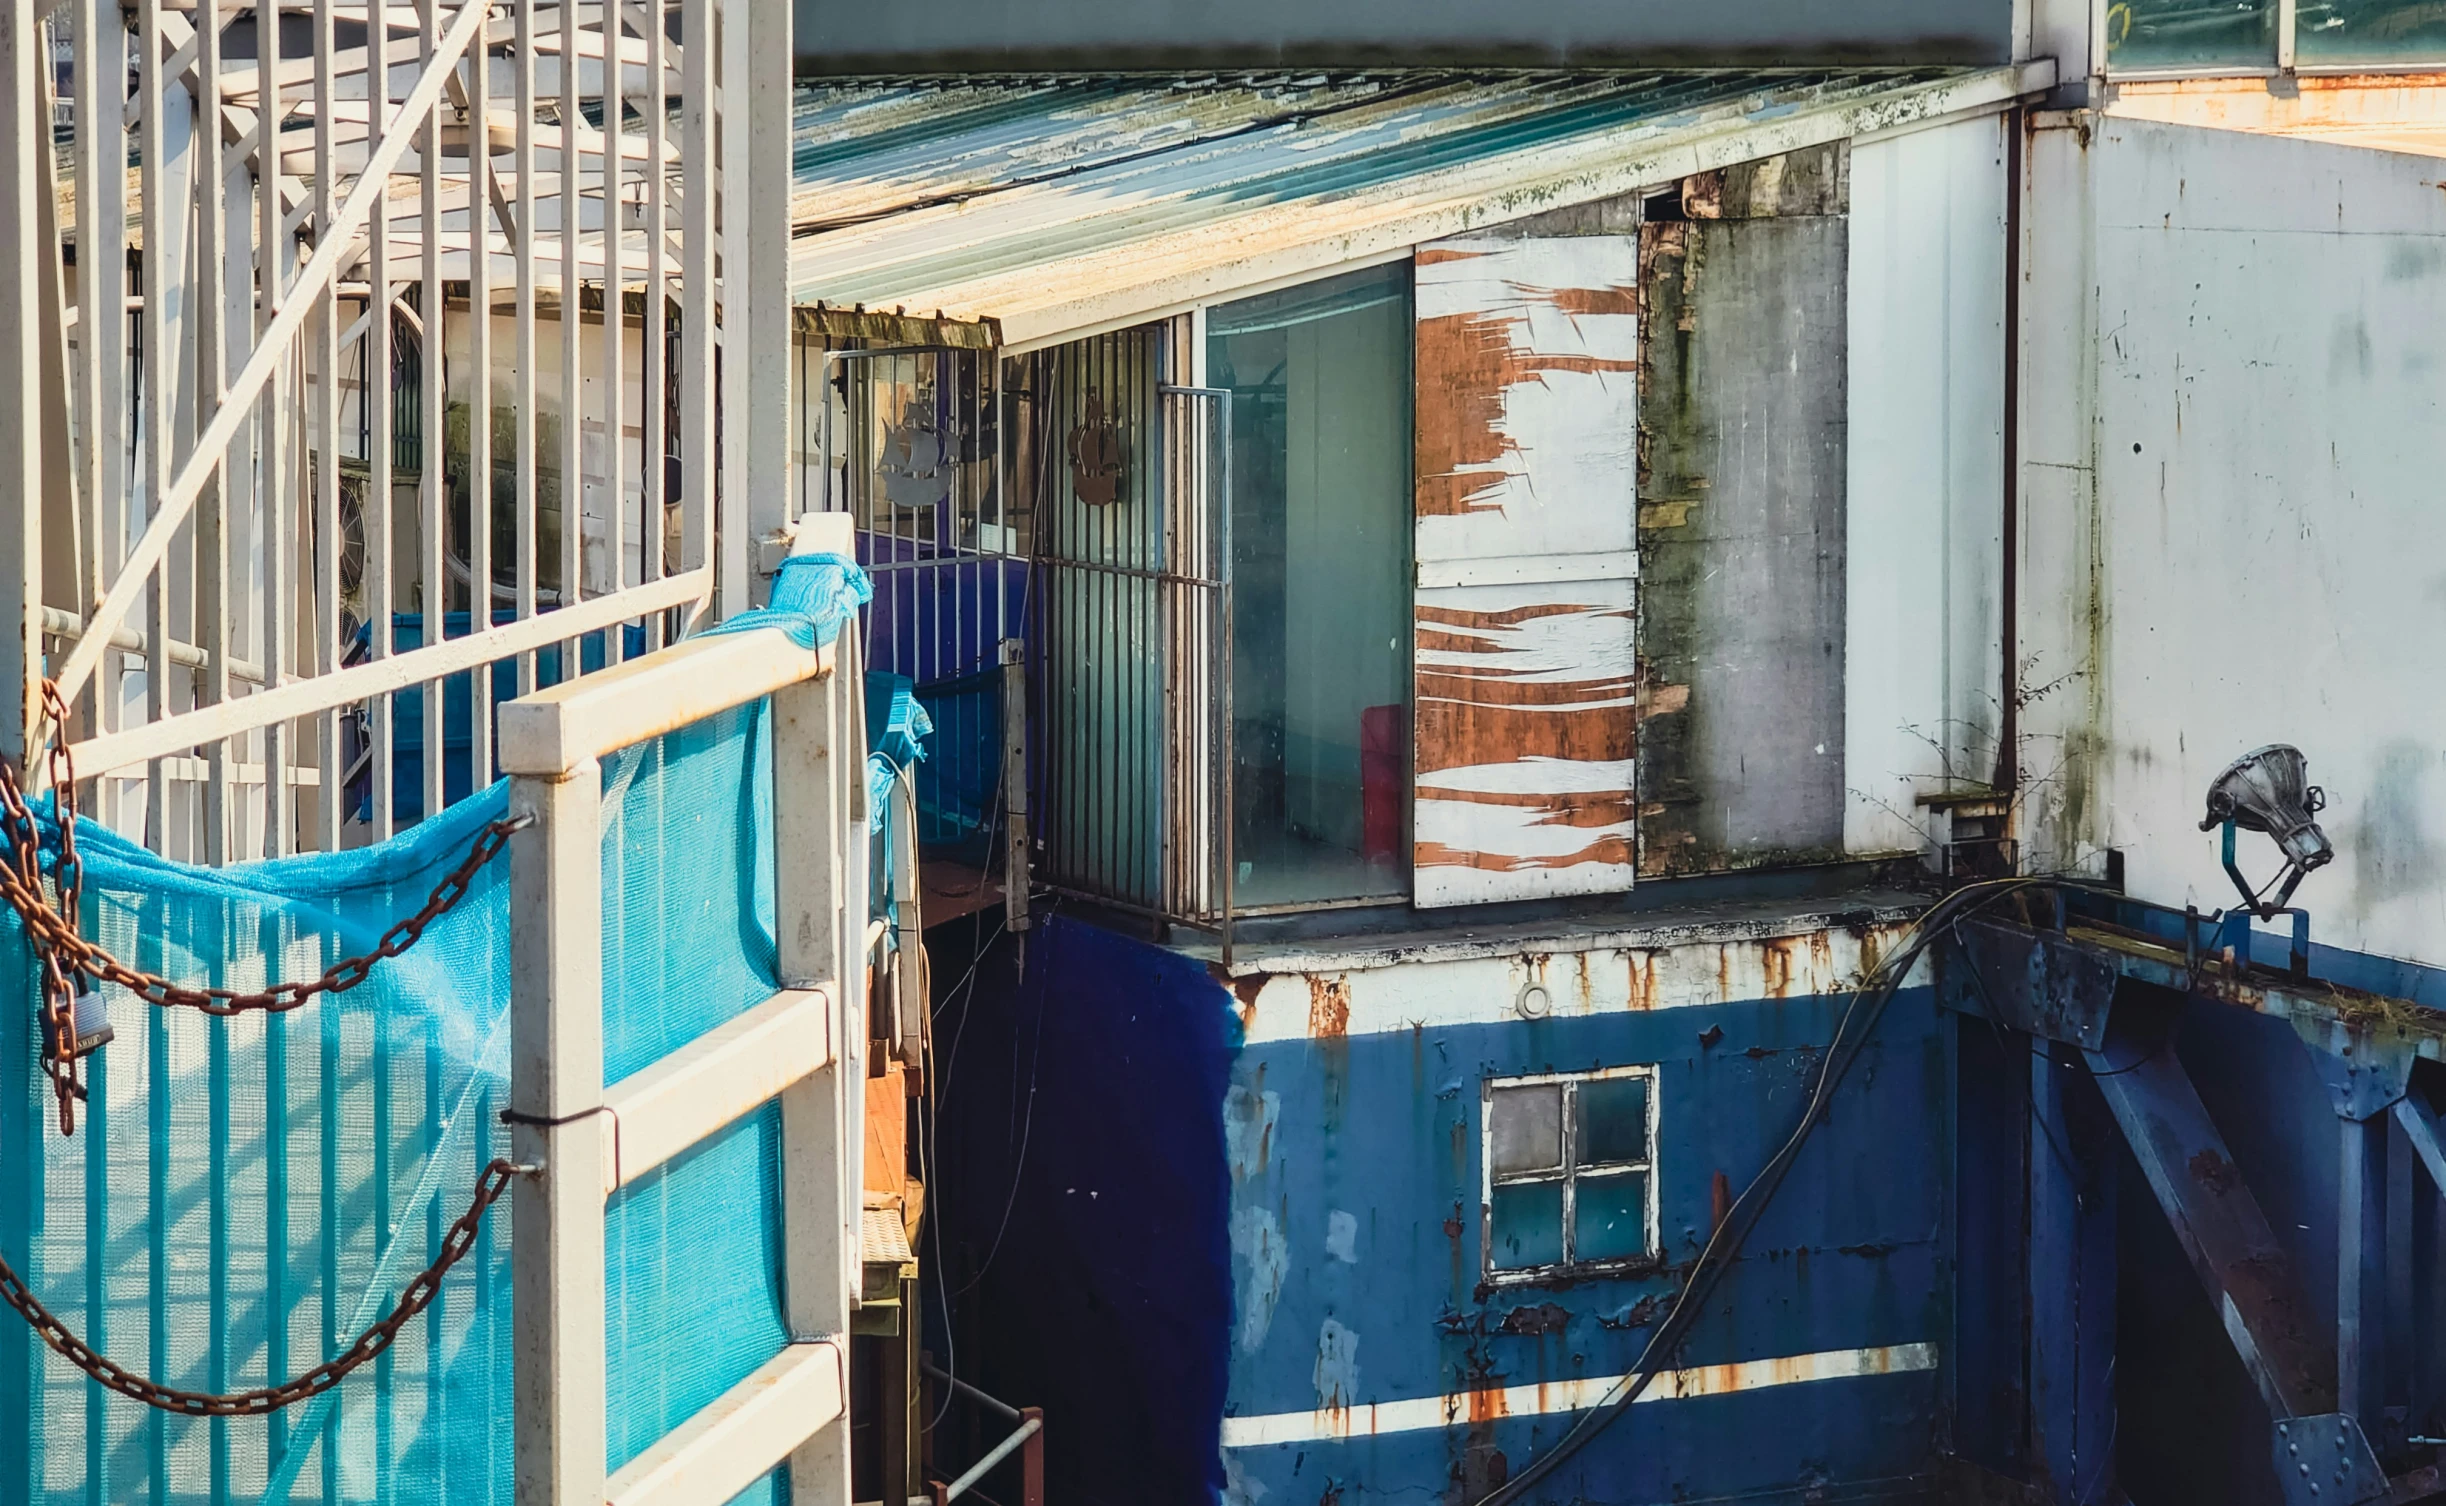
(813, 594)
(243, 1196)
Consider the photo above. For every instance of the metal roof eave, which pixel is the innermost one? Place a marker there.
(1171, 271)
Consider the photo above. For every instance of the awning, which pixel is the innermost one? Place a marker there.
(1062, 206)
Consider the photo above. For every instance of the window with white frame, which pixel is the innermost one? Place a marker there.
(1570, 1178)
(2225, 36)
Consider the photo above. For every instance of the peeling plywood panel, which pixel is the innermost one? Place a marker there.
(1528, 353)
(1741, 535)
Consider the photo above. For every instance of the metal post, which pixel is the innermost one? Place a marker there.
(556, 1081)
(820, 1144)
(21, 404)
(1015, 783)
(2361, 1268)
(1032, 1459)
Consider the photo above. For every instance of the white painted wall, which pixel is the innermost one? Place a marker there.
(2233, 530)
(1925, 477)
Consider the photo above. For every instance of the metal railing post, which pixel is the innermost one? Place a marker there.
(556, 1082)
(1032, 1459)
(813, 766)
(22, 128)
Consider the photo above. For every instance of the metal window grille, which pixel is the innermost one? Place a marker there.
(1130, 632)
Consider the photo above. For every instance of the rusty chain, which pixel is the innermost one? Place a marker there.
(52, 928)
(68, 959)
(415, 1298)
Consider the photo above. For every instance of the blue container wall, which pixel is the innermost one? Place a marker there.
(1852, 1255)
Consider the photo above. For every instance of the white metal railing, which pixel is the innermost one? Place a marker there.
(297, 342)
(804, 1046)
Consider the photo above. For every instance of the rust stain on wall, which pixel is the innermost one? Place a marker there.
(1328, 1008)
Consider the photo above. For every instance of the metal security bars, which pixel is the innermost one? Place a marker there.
(273, 243)
(912, 451)
(1129, 481)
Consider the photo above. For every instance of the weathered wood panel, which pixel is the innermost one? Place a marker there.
(1741, 534)
(1528, 351)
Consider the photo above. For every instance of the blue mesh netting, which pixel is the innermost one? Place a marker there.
(243, 1196)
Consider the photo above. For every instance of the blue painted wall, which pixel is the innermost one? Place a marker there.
(1853, 1254)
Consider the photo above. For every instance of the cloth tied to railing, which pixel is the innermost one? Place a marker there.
(813, 595)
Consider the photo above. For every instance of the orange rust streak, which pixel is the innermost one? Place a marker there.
(1328, 1007)
(1461, 735)
(1574, 808)
(1465, 363)
(1510, 617)
(1616, 850)
(1606, 300)
(1494, 690)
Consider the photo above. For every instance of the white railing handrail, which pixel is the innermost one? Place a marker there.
(558, 729)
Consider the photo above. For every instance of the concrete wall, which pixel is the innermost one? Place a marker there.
(1926, 481)
(2229, 485)
(836, 36)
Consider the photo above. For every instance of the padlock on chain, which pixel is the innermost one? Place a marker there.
(88, 1017)
(84, 1014)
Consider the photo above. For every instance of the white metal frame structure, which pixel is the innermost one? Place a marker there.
(209, 277)
(805, 1046)
(211, 284)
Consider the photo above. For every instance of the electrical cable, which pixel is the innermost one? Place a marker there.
(1876, 990)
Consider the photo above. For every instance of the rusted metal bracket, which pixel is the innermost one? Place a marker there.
(2325, 1461)
(2365, 1060)
(2028, 981)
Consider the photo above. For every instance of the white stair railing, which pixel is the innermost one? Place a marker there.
(299, 340)
(805, 1046)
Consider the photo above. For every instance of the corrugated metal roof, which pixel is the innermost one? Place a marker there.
(1060, 205)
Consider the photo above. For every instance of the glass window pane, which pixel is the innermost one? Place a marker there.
(1613, 1120)
(2369, 31)
(1320, 382)
(1527, 1129)
(1528, 1225)
(1610, 1217)
(2191, 34)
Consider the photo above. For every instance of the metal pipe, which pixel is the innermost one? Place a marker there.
(57, 622)
(1001, 1451)
(959, 1385)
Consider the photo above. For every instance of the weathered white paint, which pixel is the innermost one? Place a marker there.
(1925, 476)
(1549, 1398)
(1260, 1261)
(1545, 332)
(1528, 388)
(2231, 537)
(1587, 974)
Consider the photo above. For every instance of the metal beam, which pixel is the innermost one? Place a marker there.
(2248, 1274)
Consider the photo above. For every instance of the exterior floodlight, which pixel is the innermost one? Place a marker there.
(2268, 790)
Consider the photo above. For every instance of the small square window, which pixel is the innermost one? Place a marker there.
(1570, 1173)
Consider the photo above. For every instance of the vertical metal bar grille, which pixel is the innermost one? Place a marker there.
(289, 480)
(1129, 485)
